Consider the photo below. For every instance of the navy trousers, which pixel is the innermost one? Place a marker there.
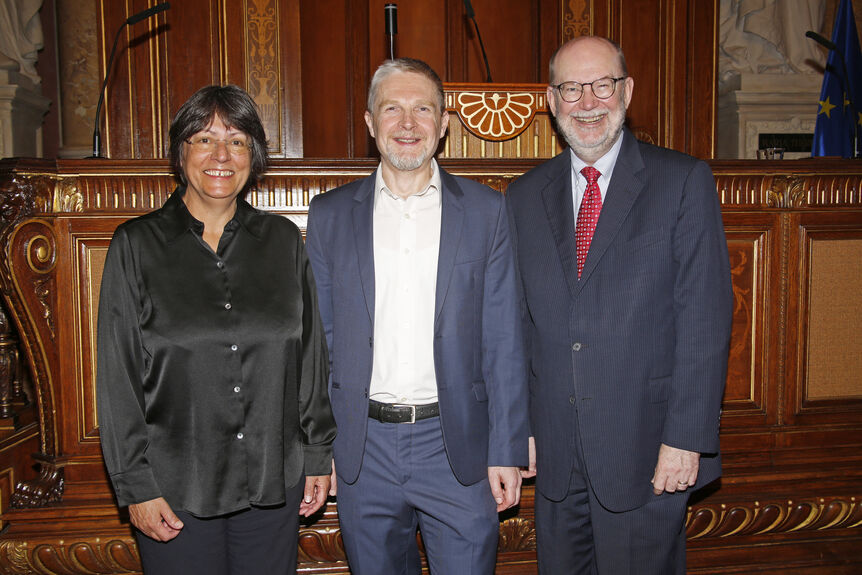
(256, 540)
(405, 482)
(579, 536)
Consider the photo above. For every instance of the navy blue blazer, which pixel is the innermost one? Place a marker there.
(639, 344)
(478, 343)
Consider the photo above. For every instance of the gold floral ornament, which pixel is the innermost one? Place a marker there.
(495, 115)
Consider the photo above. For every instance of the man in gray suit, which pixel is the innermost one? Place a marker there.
(417, 285)
(627, 311)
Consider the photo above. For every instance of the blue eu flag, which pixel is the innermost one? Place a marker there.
(837, 120)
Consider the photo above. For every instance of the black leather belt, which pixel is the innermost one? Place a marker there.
(400, 413)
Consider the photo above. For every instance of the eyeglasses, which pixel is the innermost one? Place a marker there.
(206, 145)
(603, 88)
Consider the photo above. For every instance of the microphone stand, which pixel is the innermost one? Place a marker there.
(390, 13)
(471, 14)
(134, 19)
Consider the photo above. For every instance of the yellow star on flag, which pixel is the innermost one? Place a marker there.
(825, 107)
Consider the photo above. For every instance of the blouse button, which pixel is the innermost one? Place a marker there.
(239, 435)
(227, 306)
(234, 347)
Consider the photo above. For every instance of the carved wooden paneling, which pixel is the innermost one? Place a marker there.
(90, 249)
(819, 347)
(499, 121)
(748, 247)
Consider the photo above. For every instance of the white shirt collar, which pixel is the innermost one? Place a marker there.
(434, 184)
(605, 164)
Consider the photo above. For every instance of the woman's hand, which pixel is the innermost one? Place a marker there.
(316, 489)
(155, 519)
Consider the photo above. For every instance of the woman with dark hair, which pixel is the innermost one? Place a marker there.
(212, 371)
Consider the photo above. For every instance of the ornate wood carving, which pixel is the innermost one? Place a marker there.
(24, 194)
(70, 197)
(262, 63)
(321, 544)
(82, 554)
(499, 121)
(8, 367)
(756, 518)
(576, 19)
(47, 488)
(29, 285)
(517, 534)
(496, 115)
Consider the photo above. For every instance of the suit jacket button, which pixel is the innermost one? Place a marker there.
(576, 346)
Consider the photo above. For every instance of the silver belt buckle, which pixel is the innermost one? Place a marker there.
(412, 411)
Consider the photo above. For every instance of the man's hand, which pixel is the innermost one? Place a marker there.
(505, 486)
(316, 489)
(333, 484)
(530, 471)
(676, 469)
(155, 519)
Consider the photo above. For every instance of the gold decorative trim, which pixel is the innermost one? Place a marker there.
(785, 192)
(783, 297)
(89, 555)
(40, 253)
(496, 115)
(16, 279)
(44, 288)
(262, 63)
(756, 518)
(68, 198)
(576, 19)
(517, 534)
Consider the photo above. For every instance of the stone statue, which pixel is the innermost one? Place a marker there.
(20, 36)
(768, 36)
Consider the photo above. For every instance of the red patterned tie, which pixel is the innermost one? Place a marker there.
(588, 215)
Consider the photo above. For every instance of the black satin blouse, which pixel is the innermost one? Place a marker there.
(212, 367)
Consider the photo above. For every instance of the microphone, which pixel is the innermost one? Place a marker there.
(845, 84)
(140, 16)
(468, 8)
(390, 13)
(133, 19)
(821, 40)
(471, 14)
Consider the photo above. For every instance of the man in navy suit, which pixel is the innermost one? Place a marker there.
(627, 311)
(416, 277)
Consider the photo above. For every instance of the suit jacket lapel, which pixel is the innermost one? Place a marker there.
(363, 218)
(622, 192)
(559, 207)
(451, 221)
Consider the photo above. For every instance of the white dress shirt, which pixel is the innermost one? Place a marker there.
(605, 165)
(406, 245)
